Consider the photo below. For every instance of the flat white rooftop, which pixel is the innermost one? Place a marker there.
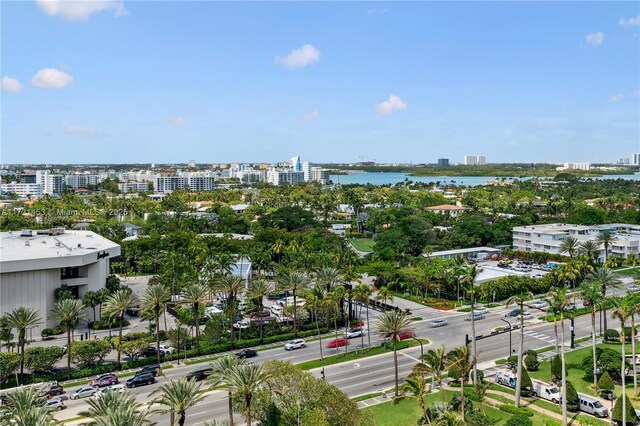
(463, 251)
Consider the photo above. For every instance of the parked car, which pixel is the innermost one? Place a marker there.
(241, 325)
(247, 353)
(151, 351)
(295, 344)
(141, 380)
(336, 343)
(120, 387)
(538, 304)
(513, 313)
(353, 332)
(83, 392)
(261, 314)
(438, 322)
(546, 391)
(592, 406)
(55, 403)
(199, 374)
(153, 369)
(167, 350)
(54, 390)
(105, 380)
(406, 335)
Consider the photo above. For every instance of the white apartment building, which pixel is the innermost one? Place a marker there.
(35, 263)
(576, 166)
(133, 187)
(278, 176)
(315, 174)
(198, 181)
(82, 180)
(547, 238)
(22, 190)
(475, 160)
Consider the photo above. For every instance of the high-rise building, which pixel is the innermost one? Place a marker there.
(636, 159)
(443, 162)
(296, 164)
(278, 176)
(474, 160)
(481, 160)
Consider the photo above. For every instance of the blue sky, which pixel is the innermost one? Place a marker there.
(142, 81)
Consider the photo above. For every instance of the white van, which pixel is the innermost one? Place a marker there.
(277, 310)
(592, 406)
(546, 391)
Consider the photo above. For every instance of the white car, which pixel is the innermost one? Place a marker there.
(527, 315)
(120, 387)
(83, 392)
(353, 332)
(167, 350)
(438, 322)
(539, 304)
(480, 310)
(295, 344)
(241, 325)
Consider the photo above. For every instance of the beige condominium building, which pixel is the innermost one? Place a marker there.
(33, 264)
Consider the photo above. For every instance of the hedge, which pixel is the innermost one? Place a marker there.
(516, 411)
(505, 287)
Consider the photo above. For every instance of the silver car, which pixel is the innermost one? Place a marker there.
(83, 392)
(55, 403)
(438, 322)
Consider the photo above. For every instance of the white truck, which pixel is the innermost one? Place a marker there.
(506, 378)
(546, 391)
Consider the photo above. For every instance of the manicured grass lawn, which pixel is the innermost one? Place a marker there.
(363, 244)
(630, 272)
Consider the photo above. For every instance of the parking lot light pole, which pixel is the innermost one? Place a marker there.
(421, 348)
(502, 319)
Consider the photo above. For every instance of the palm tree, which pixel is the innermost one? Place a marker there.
(634, 308)
(461, 360)
(328, 276)
(468, 277)
(26, 408)
(557, 297)
(245, 381)
(607, 279)
(389, 326)
(294, 282)
(335, 300)
(362, 294)
(223, 369)
(69, 312)
(622, 311)
(591, 293)
(177, 396)
(115, 409)
(314, 303)
(384, 294)
(605, 238)
(590, 250)
(415, 387)
(194, 295)
(556, 304)
(435, 364)
(257, 291)
(22, 318)
(117, 304)
(570, 246)
(230, 287)
(519, 300)
(154, 301)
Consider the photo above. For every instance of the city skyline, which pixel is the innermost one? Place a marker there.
(396, 82)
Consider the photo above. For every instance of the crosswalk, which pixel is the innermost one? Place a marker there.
(540, 336)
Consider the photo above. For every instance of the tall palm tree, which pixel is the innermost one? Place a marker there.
(230, 287)
(245, 381)
(362, 294)
(461, 360)
(622, 311)
(314, 303)
(557, 297)
(117, 304)
(257, 291)
(590, 250)
(384, 294)
(468, 279)
(605, 238)
(389, 326)
(570, 246)
(416, 388)
(328, 276)
(177, 396)
(294, 282)
(115, 409)
(26, 408)
(519, 300)
(154, 301)
(22, 318)
(195, 294)
(335, 300)
(634, 308)
(434, 364)
(607, 279)
(591, 293)
(69, 312)
(223, 369)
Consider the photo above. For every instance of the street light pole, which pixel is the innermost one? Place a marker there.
(502, 319)
(421, 348)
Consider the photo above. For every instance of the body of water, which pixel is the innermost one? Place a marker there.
(383, 178)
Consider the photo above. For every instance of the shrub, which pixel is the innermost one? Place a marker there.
(611, 335)
(556, 369)
(616, 414)
(89, 353)
(103, 324)
(519, 420)
(42, 358)
(531, 362)
(607, 359)
(516, 411)
(526, 386)
(55, 331)
(606, 385)
(572, 398)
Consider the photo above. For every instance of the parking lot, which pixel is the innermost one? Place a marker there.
(491, 271)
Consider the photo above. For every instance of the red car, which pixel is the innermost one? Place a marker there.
(336, 343)
(406, 335)
(261, 314)
(105, 380)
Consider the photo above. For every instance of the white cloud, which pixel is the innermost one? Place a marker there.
(391, 104)
(595, 39)
(51, 78)
(80, 10)
(301, 57)
(10, 84)
(176, 120)
(617, 97)
(311, 116)
(89, 132)
(631, 22)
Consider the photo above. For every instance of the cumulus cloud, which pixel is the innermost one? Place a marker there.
(88, 132)
(10, 84)
(394, 103)
(300, 57)
(80, 10)
(51, 78)
(617, 97)
(311, 116)
(595, 39)
(631, 22)
(176, 120)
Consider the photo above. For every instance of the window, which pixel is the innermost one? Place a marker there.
(66, 273)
